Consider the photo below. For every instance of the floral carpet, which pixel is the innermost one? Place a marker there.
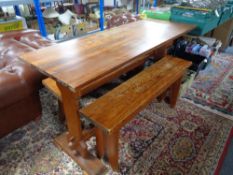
(159, 140)
(214, 86)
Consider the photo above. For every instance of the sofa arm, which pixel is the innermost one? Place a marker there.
(17, 80)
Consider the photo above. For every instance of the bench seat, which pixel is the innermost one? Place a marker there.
(118, 106)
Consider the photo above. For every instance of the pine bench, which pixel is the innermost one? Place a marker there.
(113, 110)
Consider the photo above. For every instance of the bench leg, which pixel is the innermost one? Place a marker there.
(111, 147)
(99, 143)
(162, 96)
(107, 147)
(174, 93)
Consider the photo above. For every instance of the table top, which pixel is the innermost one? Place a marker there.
(77, 62)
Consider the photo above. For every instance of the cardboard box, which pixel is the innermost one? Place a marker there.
(16, 24)
(223, 33)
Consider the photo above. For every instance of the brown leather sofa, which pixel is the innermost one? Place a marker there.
(19, 82)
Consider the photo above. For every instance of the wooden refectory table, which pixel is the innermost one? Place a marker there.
(81, 65)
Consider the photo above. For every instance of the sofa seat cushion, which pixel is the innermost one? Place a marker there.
(35, 40)
(17, 80)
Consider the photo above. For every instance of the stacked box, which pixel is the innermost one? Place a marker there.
(18, 23)
(204, 19)
(226, 13)
(230, 4)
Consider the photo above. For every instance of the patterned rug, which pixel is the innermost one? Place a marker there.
(213, 87)
(160, 140)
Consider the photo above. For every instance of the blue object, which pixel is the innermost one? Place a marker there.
(76, 2)
(115, 3)
(48, 4)
(40, 18)
(226, 168)
(155, 3)
(101, 4)
(17, 11)
(196, 49)
(137, 6)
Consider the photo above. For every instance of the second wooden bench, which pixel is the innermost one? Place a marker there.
(116, 108)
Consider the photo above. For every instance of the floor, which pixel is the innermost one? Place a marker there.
(226, 168)
(229, 50)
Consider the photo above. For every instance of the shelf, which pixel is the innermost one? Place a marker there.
(39, 14)
(18, 2)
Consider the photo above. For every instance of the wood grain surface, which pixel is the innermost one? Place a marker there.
(79, 62)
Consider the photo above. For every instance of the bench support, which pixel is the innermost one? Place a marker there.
(111, 144)
(162, 96)
(174, 92)
(107, 147)
(99, 143)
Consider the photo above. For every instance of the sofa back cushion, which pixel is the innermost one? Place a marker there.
(13, 47)
(35, 40)
(17, 34)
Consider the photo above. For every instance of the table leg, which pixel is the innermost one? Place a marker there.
(174, 92)
(73, 143)
(73, 121)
